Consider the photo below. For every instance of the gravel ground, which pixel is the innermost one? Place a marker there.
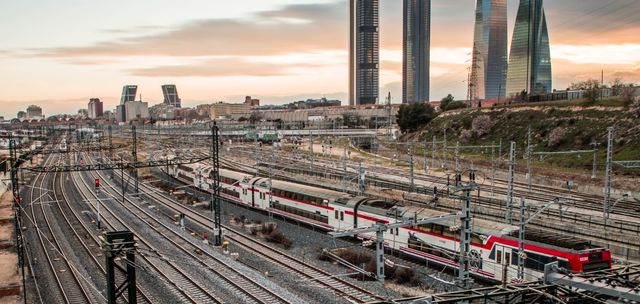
(170, 252)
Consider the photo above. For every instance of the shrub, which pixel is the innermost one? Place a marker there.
(454, 105)
(557, 136)
(268, 228)
(279, 238)
(482, 125)
(634, 109)
(466, 135)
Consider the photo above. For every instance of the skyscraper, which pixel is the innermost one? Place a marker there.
(170, 93)
(128, 93)
(489, 66)
(364, 57)
(416, 50)
(530, 58)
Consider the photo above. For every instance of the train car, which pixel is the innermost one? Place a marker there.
(494, 246)
(310, 204)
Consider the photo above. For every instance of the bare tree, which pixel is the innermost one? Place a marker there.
(482, 125)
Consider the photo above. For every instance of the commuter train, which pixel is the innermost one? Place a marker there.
(494, 246)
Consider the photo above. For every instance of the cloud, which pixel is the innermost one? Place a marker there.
(221, 67)
(630, 75)
(605, 54)
(292, 29)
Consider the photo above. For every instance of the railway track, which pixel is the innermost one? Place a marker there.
(71, 287)
(186, 289)
(83, 232)
(333, 284)
(244, 287)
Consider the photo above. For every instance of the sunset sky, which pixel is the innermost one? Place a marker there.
(58, 54)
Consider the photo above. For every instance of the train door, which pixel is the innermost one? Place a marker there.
(503, 262)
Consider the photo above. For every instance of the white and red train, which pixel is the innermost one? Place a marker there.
(493, 245)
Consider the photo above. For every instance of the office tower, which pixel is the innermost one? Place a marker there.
(530, 59)
(489, 65)
(95, 108)
(128, 93)
(364, 57)
(170, 93)
(416, 41)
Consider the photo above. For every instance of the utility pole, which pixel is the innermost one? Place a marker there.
(215, 194)
(17, 220)
(493, 168)
(529, 151)
(607, 176)
(512, 177)
(116, 244)
(433, 152)
(594, 170)
(444, 150)
(134, 158)
(457, 156)
(344, 169)
(389, 120)
(311, 155)
(521, 253)
(464, 277)
(411, 177)
(426, 170)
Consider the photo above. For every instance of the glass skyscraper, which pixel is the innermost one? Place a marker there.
(530, 58)
(489, 66)
(364, 53)
(416, 50)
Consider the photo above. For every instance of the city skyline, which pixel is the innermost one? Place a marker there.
(303, 49)
(416, 50)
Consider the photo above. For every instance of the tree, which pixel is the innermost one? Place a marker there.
(626, 91)
(591, 88)
(411, 117)
(444, 102)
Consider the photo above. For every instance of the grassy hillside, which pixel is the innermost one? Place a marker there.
(554, 127)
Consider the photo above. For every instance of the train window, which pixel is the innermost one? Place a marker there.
(336, 214)
(507, 258)
(499, 257)
(341, 215)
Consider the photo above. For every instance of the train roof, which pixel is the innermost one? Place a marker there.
(233, 174)
(304, 189)
(389, 209)
(557, 240)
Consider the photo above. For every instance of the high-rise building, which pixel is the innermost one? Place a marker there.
(530, 58)
(170, 93)
(364, 53)
(95, 108)
(416, 50)
(128, 94)
(489, 66)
